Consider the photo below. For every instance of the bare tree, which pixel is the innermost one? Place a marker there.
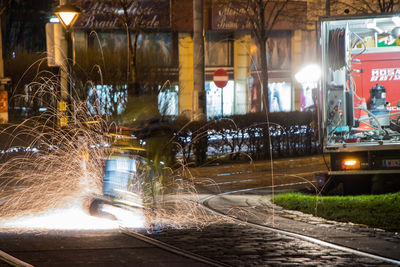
(365, 6)
(148, 60)
(132, 16)
(130, 21)
(387, 5)
(260, 17)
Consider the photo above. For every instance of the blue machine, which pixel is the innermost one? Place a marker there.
(123, 180)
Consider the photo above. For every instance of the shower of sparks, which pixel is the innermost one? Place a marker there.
(45, 168)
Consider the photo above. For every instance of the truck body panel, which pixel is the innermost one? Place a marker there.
(360, 93)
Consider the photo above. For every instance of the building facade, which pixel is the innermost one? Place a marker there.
(167, 30)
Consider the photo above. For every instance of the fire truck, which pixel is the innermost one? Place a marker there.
(360, 100)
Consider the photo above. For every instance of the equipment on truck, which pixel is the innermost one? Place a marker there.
(360, 95)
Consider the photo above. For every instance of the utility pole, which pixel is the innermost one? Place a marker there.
(199, 95)
(67, 15)
(64, 75)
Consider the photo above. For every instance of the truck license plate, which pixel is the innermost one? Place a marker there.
(390, 163)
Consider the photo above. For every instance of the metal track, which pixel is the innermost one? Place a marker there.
(12, 260)
(19, 263)
(170, 248)
(16, 262)
(204, 201)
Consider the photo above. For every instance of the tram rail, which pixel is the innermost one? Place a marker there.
(204, 203)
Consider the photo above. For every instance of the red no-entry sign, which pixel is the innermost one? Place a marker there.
(220, 78)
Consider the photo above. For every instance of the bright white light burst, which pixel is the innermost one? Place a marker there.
(72, 218)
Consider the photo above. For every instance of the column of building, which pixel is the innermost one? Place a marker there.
(297, 59)
(241, 61)
(185, 50)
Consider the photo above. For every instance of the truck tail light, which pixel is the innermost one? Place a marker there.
(349, 164)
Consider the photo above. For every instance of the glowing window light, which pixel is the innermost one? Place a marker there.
(214, 99)
(168, 101)
(279, 95)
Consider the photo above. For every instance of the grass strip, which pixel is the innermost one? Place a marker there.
(378, 211)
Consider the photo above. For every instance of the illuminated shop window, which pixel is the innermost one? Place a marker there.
(306, 98)
(104, 99)
(280, 96)
(278, 51)
(215, 107)
(168, 101)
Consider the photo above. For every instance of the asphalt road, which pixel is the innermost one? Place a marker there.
(229, 177)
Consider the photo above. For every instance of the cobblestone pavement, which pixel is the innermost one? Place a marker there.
(236, 244)
(240, 245)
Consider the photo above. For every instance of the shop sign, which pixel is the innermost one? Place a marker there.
(107, 15)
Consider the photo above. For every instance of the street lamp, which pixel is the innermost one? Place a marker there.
(309, 78)
(310, 74)
(67, 14)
